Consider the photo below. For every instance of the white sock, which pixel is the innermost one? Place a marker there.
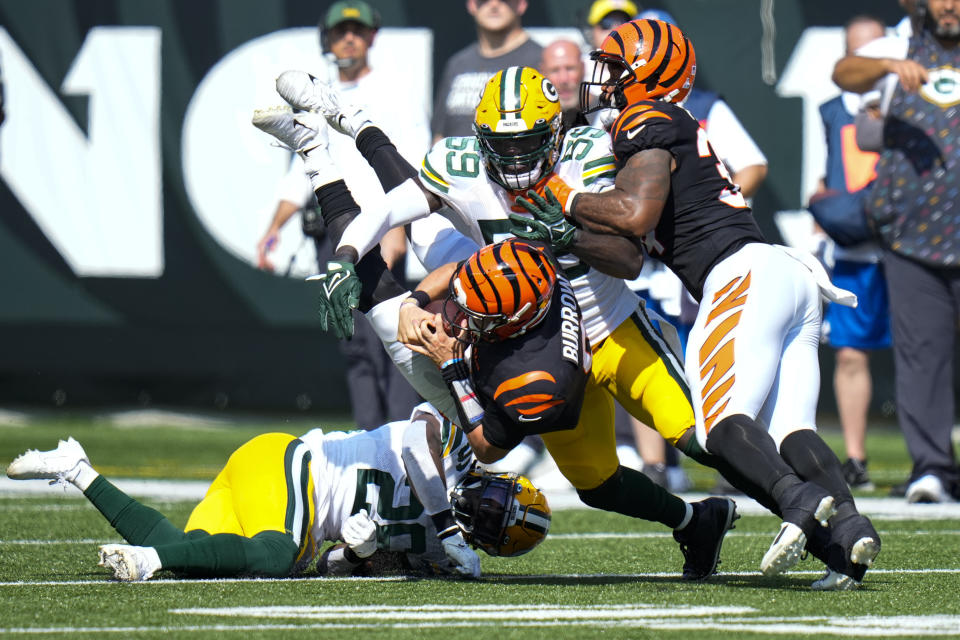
(687, 517)
(82, 475)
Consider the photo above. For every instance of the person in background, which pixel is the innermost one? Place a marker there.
(854, 332)
(911, 208)
(606, 15)
(501, 43)
(378, 393)
(562, 64)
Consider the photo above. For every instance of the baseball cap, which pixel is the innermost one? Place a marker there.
(600, 9)
(355, 10)
(657, 14)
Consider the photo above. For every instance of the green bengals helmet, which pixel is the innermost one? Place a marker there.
(518, 124)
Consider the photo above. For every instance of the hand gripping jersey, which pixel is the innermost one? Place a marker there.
(534, 383)
(705, 219)
(478, 207)
(363, 470)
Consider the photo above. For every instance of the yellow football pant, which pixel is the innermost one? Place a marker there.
(635, 366)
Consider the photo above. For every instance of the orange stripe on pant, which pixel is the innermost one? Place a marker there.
(717, 366)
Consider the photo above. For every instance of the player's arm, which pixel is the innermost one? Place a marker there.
(859, 74)
(616, 256)
(633, 207)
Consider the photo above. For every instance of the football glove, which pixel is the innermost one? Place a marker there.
(464, 560)
(547, 225)
(339, 296)
(360, 534)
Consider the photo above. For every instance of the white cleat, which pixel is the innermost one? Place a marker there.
(835, 581)
(307, 93)
(129, 563)
(48, 465)
(300, 132)
(785, 551)
(928, 489)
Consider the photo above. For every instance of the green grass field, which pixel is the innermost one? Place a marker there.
(596, 575)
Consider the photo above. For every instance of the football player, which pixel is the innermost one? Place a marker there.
(752, 354)
(526, 372)
(279, 497)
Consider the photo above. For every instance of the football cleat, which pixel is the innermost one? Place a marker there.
(48, 465)
(787, 547)
(835, 581)
(300, 132)
(701, 540)
(129, 563)
(307, 93)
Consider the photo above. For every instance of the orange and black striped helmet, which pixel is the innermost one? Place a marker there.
(503, 289)
(643, 60)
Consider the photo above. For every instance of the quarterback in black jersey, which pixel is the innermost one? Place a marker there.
(751, 359)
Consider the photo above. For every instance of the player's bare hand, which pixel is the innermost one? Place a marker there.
(434, 341)
(410, 318)
(266, 245)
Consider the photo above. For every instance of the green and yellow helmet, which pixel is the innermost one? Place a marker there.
(518, 124)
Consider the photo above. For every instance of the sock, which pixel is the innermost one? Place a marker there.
(269, 553)
(633, 494)
(391, 168)
(751, 452)
(813, 460)
(687, 518)
(137, 524)
(82, 475)
(731, 475)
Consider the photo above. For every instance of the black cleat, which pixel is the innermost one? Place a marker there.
(809, 506)
(701, 539)
(855, 473)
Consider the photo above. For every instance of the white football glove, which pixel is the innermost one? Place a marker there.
(463, 559)
(360, 534)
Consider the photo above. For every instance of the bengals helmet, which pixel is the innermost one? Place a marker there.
(517, 123)
(644, 60)
(503, 514)
(502, 290)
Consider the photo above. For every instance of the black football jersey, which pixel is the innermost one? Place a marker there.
(705, 219)
(534, 383)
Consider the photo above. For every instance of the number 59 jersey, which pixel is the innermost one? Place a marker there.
(363, 470)
(477, 206)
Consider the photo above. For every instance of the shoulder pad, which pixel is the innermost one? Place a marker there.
(651, 124)
(451, 160)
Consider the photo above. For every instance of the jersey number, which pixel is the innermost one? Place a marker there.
(390, 536)
(460, 162)
(730, 196)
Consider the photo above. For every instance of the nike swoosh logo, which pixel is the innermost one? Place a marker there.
(633, 132)
(528, 419)
(334, 281)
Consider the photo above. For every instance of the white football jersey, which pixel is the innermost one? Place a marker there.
(363, 470)
(478, 207)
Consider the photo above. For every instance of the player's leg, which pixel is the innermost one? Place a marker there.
(587, 457)
(732, 361)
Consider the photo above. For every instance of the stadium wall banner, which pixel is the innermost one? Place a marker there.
(133, 189)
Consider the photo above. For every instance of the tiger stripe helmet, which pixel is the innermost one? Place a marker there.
(644, 60)
(503, 514)
(503, 289)
(518, 125)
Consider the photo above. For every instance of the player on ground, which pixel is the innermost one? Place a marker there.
(505, 389)
(279, 497)
(752, 355)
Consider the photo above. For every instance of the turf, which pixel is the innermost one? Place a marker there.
(597, 574)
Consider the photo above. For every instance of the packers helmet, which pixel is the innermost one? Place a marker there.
(502, 290)
(503, 514)
(518, 125)
(643, 60)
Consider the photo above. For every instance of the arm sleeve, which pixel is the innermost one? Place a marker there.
(427, 482)
(436, 242)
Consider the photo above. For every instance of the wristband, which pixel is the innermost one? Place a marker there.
(420, 298)
(454, 370)
(445, 525)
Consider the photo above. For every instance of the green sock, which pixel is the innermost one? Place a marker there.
(269, 553)
(138, 524)
(633, 494)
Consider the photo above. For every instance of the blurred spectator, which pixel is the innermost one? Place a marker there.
(378, 392)
(854, 331)
(562, 63)
(501, 43)
(606, 15)
(912, 207)
(3, 114)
